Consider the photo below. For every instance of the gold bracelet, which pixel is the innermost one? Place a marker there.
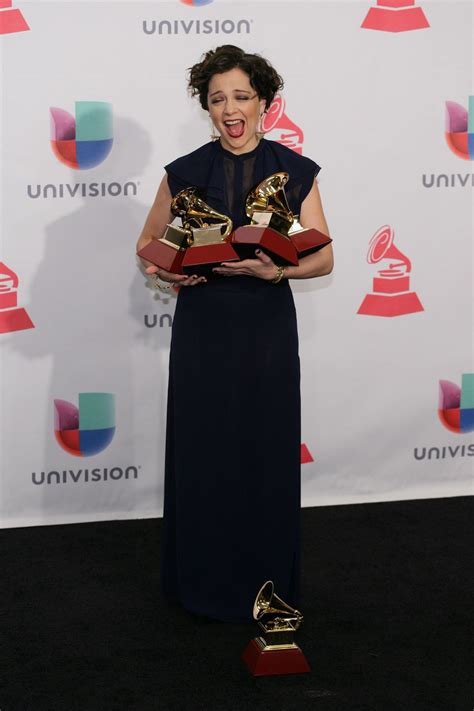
(157, 284)
(279, 275)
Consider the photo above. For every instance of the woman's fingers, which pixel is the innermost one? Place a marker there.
(264, 258)
(166, 276)
(193, 280)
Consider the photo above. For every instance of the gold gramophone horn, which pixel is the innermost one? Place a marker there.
(267, 603)
(269, 196)
(193, 209)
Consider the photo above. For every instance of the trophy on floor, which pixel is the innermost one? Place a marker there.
(274, 651)
(274, 228)
(209, 242)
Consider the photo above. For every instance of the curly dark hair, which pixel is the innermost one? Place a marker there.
(262, 76)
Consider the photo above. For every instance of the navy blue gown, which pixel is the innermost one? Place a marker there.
(232, 470)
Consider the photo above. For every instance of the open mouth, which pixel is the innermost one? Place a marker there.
(235, 128)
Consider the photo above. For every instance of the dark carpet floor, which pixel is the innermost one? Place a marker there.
(387, 604)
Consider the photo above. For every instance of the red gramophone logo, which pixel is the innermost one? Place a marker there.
(12, 317)
(391, 295)
(306, 456)
(11, 20)
(278, 127)
(395, 16)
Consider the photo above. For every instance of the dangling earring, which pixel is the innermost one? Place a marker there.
(260, 132)
(214, 136)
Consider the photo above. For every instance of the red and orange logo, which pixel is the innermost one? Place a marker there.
(12, 317)
(391, 295)
(278, 127)
(11, 20)
(395, 16)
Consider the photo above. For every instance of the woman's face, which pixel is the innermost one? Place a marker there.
(235, 110)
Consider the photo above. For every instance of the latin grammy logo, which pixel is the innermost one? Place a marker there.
(306, 456)
(395, 16)
(12, 317)
(11, 20)
(282, 129)
(391, 294)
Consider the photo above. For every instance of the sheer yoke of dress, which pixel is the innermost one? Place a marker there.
(232, 473)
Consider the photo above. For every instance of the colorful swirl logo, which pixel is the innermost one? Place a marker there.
(456, 404)
(460, 129)
(197, 3)
(87, 429)
(84, 140)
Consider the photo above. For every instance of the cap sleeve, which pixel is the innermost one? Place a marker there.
(190, 170)
(300, 184)
(302, 172)
(175, 183)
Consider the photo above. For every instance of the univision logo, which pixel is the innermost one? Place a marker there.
(456, 413)
(196, 27)
(85, 476)
(456, 404)
(81, 142)
(460, 129)
(84, 140)
(197, 3)
(85, 190)
(459, 135)
(88, 429)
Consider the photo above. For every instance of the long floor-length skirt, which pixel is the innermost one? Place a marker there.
(232, 471)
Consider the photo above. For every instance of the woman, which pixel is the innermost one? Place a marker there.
(232, 472)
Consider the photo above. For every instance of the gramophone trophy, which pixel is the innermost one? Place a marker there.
(395, 16)
(197, 246)
(168, 251)
(208, 244)
(274, 228)
(391, 287)
(274, 651)
(12, 316)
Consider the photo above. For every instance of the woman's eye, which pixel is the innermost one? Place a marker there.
(242, 98)
(216, 101)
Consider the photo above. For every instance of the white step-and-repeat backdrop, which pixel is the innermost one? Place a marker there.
(94, 103)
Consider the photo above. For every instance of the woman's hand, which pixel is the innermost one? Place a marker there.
(262, 267)
(175, 279)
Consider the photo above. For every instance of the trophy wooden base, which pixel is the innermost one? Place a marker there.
(164, 256)
(271, 662)
(309, 241)
(15, 320)
(390, 304)
(201, 260)
(248, 238)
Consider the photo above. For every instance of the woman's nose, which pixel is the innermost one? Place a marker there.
(229, 106)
